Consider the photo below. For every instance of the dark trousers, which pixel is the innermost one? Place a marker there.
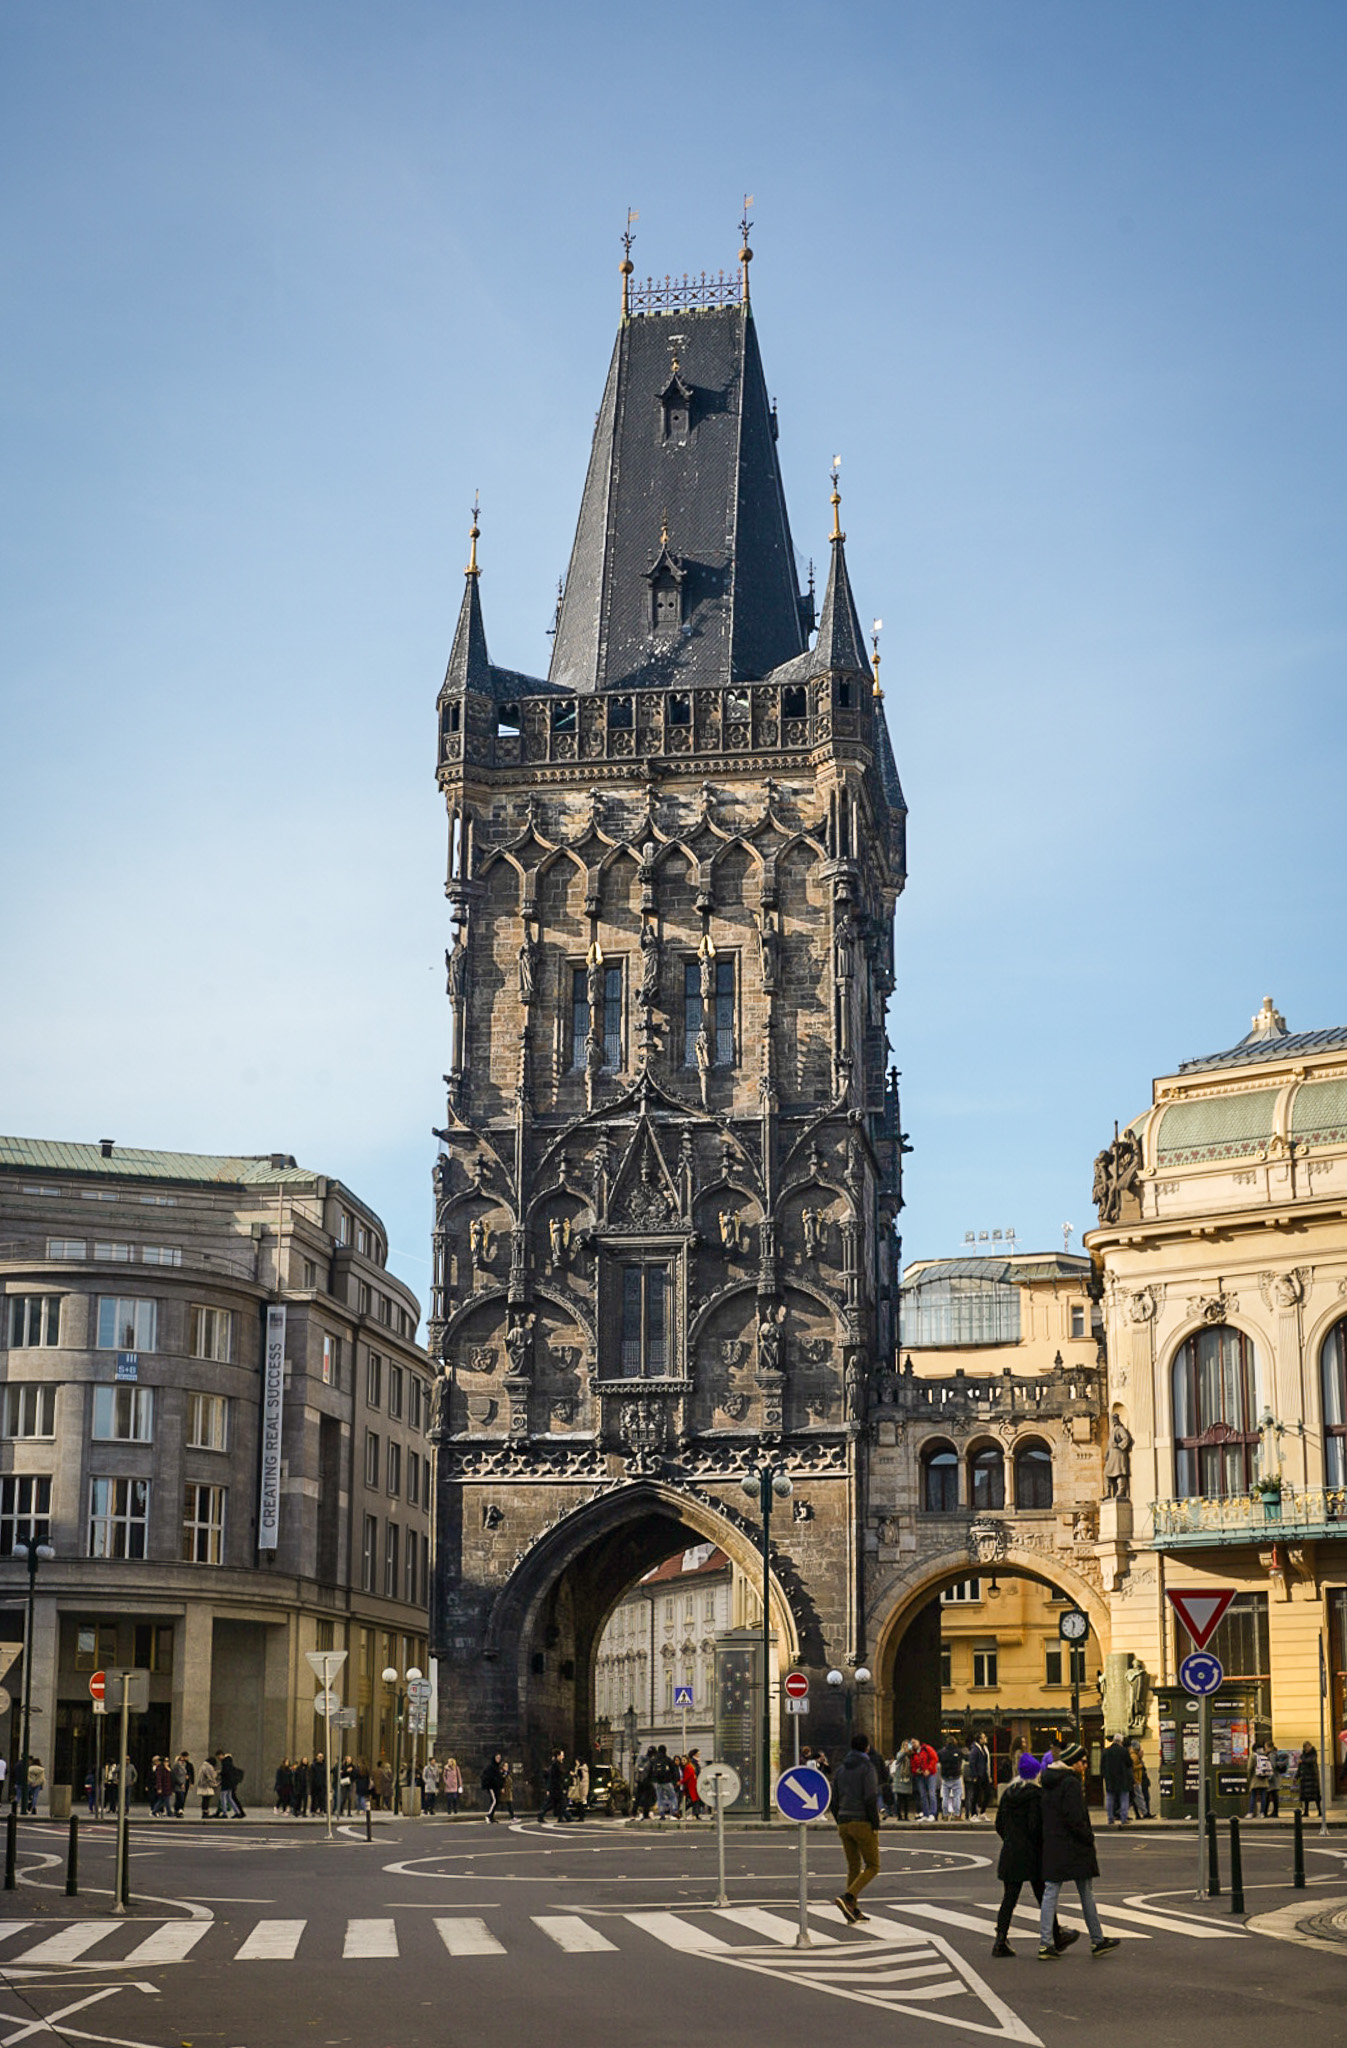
(1010, 1898)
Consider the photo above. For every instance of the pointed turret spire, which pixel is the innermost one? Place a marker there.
(469, 663)
(841, 643)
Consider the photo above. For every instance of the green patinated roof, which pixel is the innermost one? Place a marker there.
(1217, 1127)
(52, 1155)
(1319, 1112)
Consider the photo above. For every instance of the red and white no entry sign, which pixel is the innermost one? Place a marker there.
(797, 1685)
(96, 1685)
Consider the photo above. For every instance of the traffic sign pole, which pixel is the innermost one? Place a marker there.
(121, 1874)
(722, 1896)
(1203, 1744)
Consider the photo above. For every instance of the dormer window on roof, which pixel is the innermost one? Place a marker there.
(666, 576)
(675, 403)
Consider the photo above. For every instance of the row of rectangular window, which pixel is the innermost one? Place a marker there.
(114, 1253)
(121, 1414)
(122, 1323)
(986, 1670)
(379, 1371)
(410, 1574)
(719, 1048)
(107, 1195)
(390, 1456)
(119, 1517)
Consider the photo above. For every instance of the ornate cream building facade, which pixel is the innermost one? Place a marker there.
(1222, 1251)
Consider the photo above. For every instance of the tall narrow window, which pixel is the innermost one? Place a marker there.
(579, 1017)
(369, 1556)
(391, 1562)
(692, 1010)
(119, 1517)
(724, 1019)
(612, 1016)
(1215, 1415)
(125, 1325)
(203, 1524)
(1333, 1366)
(645, 1319)
(34, 1319)
(29, 1410)
(212, 1334)
(25, 1511)
(208, 1422)
(124, 1414)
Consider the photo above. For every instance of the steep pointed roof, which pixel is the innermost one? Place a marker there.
(469, 663)
(840, 643)
(714, 488)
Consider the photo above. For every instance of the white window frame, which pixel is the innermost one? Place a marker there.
(203, 1522)
(28, 1523)
(211, 1333)
(67, 1248)
(134, 1332)
(21, 1321)
(208, 1422)
(29, 1410)
(119, 1517)
(137, 1403)
(161, 1255)
(113, 1252)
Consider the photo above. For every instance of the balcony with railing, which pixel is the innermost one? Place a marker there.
(1299, 1513)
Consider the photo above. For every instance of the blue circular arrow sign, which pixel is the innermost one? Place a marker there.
(803, 1793)
(1201, 1674)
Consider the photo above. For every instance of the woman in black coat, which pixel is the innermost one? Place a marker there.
(1068, 1853)
(1307, 1779)
(285, 1786)
(1019, 1823)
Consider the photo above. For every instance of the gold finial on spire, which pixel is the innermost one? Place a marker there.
(874, 657)
(745, 253)
(474, 534)
(664, 530)
(837, 533)
(627, 266)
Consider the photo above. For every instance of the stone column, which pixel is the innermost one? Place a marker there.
(193, 1648)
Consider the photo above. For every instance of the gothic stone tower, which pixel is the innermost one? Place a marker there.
(670, 1165)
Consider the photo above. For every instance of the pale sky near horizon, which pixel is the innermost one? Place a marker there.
(286, 282)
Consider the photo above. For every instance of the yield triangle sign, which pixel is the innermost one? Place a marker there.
(1201, 1609)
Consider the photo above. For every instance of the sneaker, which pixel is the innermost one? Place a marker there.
(1003, 1948)
(1101, 1948)
(847, 1907)
(858, 1915)
(1048, 1954)
(1066, 1937)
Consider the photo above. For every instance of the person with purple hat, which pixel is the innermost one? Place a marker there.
(1019, 1823)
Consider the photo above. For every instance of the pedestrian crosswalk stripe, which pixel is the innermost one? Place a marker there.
(171, 1943)
(1197, 1930)
(71, 1942)
(774, 1926)
(13, 1927)
(468, 1938)
(944, 1916)
(272, 1941)
(678, 1933)
(370, 1938)
(572, 1933)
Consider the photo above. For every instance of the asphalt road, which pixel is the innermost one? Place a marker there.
(246, 1934)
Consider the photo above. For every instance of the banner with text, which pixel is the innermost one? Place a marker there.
(273, 1389)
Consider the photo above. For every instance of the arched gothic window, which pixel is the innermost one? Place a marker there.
(987, 1478)
(1033, 1475)
(1333, 1369)
(940, 1479)
(1215, 1415)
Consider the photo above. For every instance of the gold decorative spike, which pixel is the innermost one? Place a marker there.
(745, 253)
(664, 530)
(474, 534)
(837, 533)
(627, 266)
(874, 657)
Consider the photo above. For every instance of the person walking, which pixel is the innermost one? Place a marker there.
(979, 1778)
(161, 1780)
(692, 1798)
(1259, 1779)
(1019, 1823)
(451, 1784)
(208, 1786)
(665, 1777)
(36, 1784)
(318, 1785)
(1117, 1782)
(184, 1776)
(383, 1784)
(951, 1781)
(363, 1785)
(430, 1784)
(346, 1786)
(1068, 1854)
(284, 1785)
(231, 1777)
(902, 1781)
(925, 1776)
(1141, 1782)
(554, 1788)
(578, 1790)
(1307, 1779)
(855, 1806)
(299, 1788)
(493, 1784)
(645, 1785)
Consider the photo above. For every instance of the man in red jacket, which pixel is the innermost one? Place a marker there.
(925, 1775)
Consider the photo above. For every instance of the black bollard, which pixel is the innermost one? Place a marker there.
(369, 1825)
(1236, 1868)
(72, 1861)
(11, 1848)
(1213, 1866)
(1298, 1878)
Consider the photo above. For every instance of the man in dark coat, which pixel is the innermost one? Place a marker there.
(1117, 1781)
(855, 1806)
(318, 1784)
(554, 1787)
(1019, 1823)
(1068, 1853)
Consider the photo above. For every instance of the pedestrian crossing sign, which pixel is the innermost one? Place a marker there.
(682, 1695)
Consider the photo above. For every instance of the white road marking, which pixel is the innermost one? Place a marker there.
(468, 1938)
(675, 1932)
(172, 1943)
(370, 1938)
(13, 1927)
(771, 1926)
(272, 1941)
(70, 1942)
(568, 1931)
(944, 1916)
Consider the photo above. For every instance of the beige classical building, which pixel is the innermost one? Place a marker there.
(983, 1483)
(215, 1512)
(660, 1642)
(1222, 1247)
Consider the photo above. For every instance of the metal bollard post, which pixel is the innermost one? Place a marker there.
(1298, 1878)
(11, 1848)
(1213, 1867)
(1236, 1868)
(126, 1859)
(369, 1824)
(72, 1861)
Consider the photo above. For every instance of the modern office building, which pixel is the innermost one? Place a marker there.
(212, 1408)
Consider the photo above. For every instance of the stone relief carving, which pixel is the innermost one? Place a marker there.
(1143, 1305)
(492, 1516)
(814, 1223)
(1118, 1461)
(481, 1243)
(1117, 1174)
(735, 1406)
(481, 1358)
(733, 1231)
(1213, 1308)
(987, 1541)
(1283, 1290)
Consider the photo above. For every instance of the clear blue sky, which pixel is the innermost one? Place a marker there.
(283, 283)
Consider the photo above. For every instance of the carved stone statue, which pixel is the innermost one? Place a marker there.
(594, 982)
(1118, 1461)
(519, 1342)
(650, 963)
(456, 971)
(559, 1238)
(703, 1051)
(1117, 1172)
(769, 1341)
(481, 1241)
(769, 939)
(1136, 1698)
(814, 1223)
(528, 969)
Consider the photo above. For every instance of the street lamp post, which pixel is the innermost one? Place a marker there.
(36, 1553)
(390, 1677)
(630, 1724)
(768, 1482)
(861, 1676)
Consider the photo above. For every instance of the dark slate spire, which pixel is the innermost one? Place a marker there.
(841, 643)
(684, 462)
(469, 664)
